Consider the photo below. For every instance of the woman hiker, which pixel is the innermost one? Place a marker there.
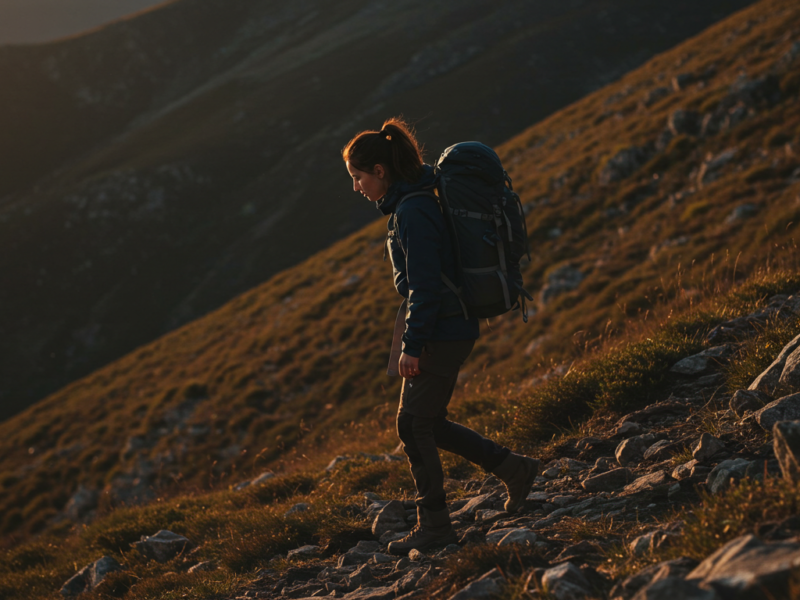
(386, 167)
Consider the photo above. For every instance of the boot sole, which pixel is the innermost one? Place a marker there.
(512, 508)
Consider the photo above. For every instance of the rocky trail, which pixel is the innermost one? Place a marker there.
(601, 500)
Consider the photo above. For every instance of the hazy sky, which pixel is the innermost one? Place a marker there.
(26, 21)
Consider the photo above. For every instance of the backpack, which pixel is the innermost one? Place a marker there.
(487, 228)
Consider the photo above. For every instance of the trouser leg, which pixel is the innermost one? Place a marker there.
(419, 444)
(469, 444)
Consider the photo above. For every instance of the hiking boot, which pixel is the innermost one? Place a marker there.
(433, 529)
(517, 472)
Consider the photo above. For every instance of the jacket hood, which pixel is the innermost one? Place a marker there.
(398, 189)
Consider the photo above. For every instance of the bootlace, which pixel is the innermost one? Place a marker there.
(412, 534)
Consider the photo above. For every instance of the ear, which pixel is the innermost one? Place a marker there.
(379, 171)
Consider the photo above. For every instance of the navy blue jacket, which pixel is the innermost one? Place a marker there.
(421, 251)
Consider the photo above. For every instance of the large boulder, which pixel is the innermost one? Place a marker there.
(768, 380)
(749, 569)
(786, 442)
(163, 546)
(90, 576)
(782, 409)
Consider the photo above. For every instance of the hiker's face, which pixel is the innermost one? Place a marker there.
(372, 185)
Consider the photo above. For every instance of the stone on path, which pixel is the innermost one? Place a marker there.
(661, 450)
(748, 569)
(657, 481)
(391, 517)
(632, 449)
(566, 582)
(684, 471)
(782, 409)
(768, 380)
(90, 576)
(628, 429)
(786, 442)
(706, 447)
(523, 536)
(608, 481)
(163, 546)
(475, 504)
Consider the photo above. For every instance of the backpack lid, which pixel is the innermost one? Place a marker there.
(472, 158)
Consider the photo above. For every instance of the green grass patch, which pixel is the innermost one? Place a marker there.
(758, 352)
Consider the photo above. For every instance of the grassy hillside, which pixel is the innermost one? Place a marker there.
(297, 363)
(158, 167)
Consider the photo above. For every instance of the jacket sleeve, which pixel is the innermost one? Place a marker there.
(420, 226)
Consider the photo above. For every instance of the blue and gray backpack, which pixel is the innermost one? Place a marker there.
(487, 228)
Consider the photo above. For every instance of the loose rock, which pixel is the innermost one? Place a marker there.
(609, 481)
(706, 447)
(724, 473)
(632, 449)
(744, 400)
(648, 483)
(90, 576)
(163, 546)
(391, 517)
(566, 582)
(523, 536)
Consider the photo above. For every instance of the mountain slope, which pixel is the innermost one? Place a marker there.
(298, 362)
(157, 167)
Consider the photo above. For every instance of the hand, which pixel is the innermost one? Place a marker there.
(408, 366)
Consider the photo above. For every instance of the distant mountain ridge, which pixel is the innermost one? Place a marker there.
(656, 190)
(157, 167)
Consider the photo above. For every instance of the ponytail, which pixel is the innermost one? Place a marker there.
(395, 147)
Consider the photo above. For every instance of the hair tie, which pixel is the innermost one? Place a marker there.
(385, 135)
